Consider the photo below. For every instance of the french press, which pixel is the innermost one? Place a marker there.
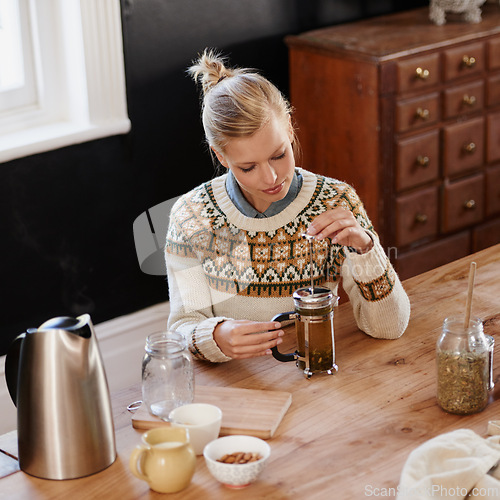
(313, 317)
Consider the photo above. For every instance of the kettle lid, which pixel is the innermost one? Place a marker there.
(79, 326)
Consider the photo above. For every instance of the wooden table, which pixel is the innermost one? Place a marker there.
(349, 433)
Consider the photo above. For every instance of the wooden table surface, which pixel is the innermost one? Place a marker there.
(350, 433)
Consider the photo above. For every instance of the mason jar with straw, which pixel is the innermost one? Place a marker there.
(463, 361)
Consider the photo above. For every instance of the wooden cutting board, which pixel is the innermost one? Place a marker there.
(251, 412)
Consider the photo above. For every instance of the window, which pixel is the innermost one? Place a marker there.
(17, 76)
(61, 74)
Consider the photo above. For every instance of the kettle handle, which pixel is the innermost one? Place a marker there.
(12, 366)
(274, 350)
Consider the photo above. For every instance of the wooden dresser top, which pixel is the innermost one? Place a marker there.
(395, 35)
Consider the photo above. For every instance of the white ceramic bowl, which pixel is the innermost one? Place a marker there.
(236, 475)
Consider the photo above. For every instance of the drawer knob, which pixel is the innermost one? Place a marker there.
(470, 204)
(468, 61)
(469, 100)
(422, 113)
(423, 161)
(470, 148)
(422, 73)
(421, 218)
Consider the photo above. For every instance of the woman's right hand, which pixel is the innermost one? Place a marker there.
(242, 338)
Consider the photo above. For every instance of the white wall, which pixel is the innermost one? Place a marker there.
(121, 342)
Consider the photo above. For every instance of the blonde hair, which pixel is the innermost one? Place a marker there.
(236, 102)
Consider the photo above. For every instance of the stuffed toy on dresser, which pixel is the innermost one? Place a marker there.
(471, 10)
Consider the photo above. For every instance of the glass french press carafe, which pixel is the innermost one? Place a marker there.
(313, 317)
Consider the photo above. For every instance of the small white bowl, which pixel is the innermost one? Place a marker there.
(236, 475)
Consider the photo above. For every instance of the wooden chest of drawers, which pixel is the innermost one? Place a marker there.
(409, 114)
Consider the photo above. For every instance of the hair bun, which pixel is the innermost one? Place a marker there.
(210, 69)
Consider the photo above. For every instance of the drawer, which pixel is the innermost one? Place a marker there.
(463, 203)
(494, 54)
(414, 113)
(463, 99)
(416, 216)
(433, 255)
(417, 160)
(486, 235)
(493, 90)
(463, 146)
(463, 61)
(493, 190)
(418, 72)
(493, 137)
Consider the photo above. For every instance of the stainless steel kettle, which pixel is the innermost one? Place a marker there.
(56, 378)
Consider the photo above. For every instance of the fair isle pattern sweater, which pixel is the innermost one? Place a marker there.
(223, 265)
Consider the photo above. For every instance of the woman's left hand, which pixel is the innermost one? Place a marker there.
(342, 227)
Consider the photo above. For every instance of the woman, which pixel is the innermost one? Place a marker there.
(235, 250)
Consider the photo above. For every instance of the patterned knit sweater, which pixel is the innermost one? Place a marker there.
(223, 265)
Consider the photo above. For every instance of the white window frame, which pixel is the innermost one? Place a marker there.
(81, 79)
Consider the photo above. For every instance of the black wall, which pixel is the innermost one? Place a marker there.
(66, 216)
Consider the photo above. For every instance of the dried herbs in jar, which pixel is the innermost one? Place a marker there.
(462, 357)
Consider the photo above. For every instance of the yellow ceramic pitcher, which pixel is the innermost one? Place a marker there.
(165, 459)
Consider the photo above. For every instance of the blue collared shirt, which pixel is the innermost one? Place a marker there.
(234, 192)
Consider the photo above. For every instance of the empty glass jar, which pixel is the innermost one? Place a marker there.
(463, 367)
(167, 373)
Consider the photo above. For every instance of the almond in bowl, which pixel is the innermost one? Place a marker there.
(236, 461)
